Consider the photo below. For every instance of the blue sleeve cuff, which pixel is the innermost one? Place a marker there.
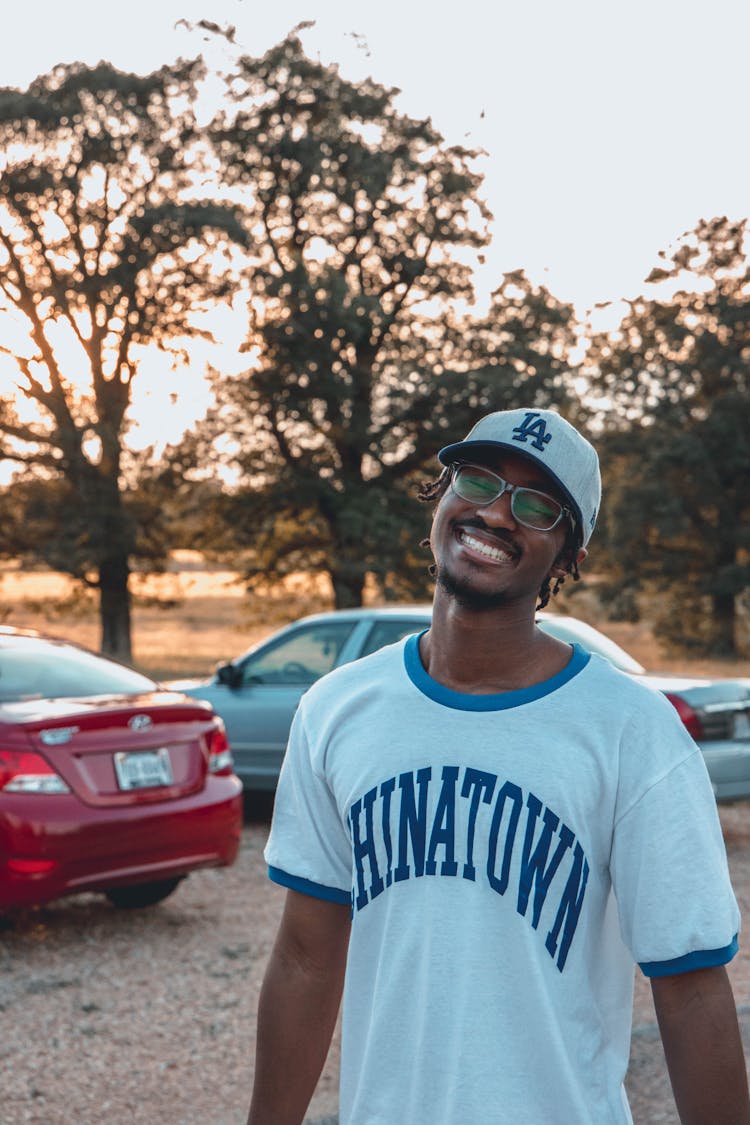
(307, 887)
(701, 959)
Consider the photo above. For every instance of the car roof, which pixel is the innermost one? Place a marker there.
(373, 612)
(9, 634)
(12, 631)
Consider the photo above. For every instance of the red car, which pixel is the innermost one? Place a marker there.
(107, 782)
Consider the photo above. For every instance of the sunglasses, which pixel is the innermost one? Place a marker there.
(533, 509)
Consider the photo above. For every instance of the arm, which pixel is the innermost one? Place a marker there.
(299, 1002)
(698, 1023)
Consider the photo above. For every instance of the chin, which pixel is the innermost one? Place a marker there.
(467, 596)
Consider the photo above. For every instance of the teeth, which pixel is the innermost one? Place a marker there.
(484, 548)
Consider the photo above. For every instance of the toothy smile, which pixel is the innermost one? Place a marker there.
(498, 554)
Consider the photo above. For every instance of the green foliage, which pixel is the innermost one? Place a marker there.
(47, 523)
(105, 247)
(678, 438)
(365, 223)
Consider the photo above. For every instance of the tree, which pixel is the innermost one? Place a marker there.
(105, 248)
(675, 376)
(366, 224)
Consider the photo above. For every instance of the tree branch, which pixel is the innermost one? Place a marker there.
(25, 304)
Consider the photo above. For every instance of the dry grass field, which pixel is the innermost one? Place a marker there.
(206, 616)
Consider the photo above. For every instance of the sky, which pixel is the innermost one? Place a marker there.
(609, 128)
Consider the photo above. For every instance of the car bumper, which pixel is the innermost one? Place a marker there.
(54, 845)
(258, 768)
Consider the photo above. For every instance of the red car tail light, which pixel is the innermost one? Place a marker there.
(687, 714)
(23, 771)
(31, 868)
(219, 754)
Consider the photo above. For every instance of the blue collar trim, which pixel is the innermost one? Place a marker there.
(498, 701)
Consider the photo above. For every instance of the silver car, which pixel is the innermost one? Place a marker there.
(257, 694)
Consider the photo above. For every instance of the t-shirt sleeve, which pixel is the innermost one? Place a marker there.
(308, 849)
(669, 873)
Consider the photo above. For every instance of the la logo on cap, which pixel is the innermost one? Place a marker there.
(533, 426)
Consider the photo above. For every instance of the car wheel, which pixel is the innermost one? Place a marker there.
(142, 894)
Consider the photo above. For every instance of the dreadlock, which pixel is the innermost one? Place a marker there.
(432, 491)
(566, 558)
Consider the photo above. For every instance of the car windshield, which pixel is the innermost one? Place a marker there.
(33, 668)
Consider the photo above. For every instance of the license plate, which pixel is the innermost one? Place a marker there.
(742, 725)
(143, 769)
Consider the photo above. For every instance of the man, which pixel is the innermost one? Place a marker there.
(488, 828)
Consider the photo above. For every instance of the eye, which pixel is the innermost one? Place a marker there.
(537, 508)
(476, 486)
(481, 485)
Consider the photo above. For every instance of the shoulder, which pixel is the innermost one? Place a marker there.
(647, 737)
(634, 691)
(632, 713)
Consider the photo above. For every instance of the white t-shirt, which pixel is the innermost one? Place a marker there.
(507, 858)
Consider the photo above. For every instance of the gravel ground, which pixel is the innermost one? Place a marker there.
(133, 1018)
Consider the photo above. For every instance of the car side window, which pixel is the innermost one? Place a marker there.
(300, 658)
(388, 632)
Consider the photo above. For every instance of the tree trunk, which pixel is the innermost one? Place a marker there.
(723, 642)
(114, 607)
(348, 580)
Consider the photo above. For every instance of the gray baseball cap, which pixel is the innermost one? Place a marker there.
(544, 437)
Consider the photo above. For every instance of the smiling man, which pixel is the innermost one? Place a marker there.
(482, 830)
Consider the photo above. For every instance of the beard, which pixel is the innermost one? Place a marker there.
(465, 595)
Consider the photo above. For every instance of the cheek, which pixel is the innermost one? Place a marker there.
(439, 525)
(560, 561)
(434, 530)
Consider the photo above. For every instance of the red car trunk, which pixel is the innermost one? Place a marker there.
(117, 752)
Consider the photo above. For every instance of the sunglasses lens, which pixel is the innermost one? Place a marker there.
(475, 486)
(535, 509)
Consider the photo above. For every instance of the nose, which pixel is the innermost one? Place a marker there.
(498, 512)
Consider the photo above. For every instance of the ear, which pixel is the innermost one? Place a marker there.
(560, 569)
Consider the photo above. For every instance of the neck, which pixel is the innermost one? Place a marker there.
(490, 650)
